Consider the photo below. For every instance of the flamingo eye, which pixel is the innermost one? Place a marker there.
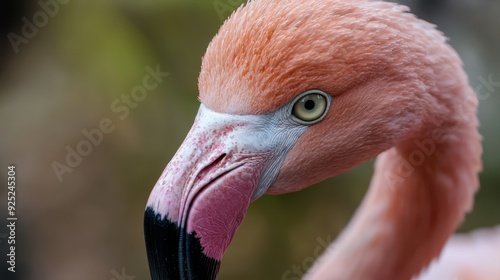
(310, 107)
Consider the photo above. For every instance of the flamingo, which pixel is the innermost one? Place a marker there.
(293, 92)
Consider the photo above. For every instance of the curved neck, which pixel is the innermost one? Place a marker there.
(418, 196)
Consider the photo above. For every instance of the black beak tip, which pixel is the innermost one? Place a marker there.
(173, 254)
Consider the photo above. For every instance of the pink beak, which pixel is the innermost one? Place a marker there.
(203, 194)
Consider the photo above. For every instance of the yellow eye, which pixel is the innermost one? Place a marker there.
(310, 107)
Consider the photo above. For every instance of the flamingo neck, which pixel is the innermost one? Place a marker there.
(420, 192)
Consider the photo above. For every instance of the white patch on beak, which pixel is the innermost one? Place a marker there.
(272, 135)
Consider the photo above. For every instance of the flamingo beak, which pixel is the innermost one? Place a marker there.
(204, 192)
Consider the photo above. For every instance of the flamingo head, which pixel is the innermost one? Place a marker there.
(292, 92)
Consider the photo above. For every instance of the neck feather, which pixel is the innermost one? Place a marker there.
(420, 192)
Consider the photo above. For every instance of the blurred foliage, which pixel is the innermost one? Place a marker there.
(92, 52)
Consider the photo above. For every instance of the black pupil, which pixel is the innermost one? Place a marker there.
(309, 105)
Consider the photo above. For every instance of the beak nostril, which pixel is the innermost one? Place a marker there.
(210, 166)
(220, 158)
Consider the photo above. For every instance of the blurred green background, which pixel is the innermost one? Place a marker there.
(88, 54)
